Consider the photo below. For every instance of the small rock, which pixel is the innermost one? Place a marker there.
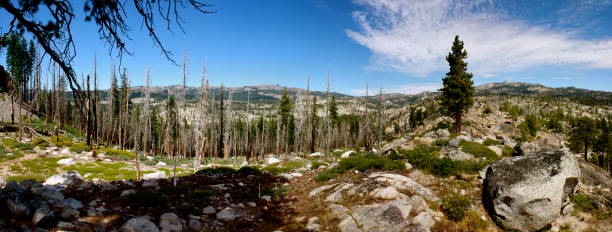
(47, 193)
(127, 192)
(459, 155)
(69, 202)
(18, 206)
(150, 183)
(315, 154)
(170, 222)
(195, 225)
(266, 198)
(226, 214)
(160, 163)
(272, 160)
(13, 186)
(69, 179)
(139, 224)
(209, 210)
(69, 213)
(154, 175)
(68, 161)
(408, 165)
(66, 152)
(252, 204)
(44, 218)
(313, 224)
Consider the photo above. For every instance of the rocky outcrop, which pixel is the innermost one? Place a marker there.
(525, 148)
(527, 193)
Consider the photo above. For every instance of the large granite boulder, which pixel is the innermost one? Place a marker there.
(526, 193)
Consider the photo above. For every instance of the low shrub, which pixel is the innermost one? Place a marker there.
(174, 189)
(79, 147)
(444, 167)
(455, 207)
(443, 125)
(119, 154)
(201, 194)
(217, 170)
(478, 150)
(248, 170)
(40, 142)
(582, 202)
(147, 199)
(362, 163)
(491, 142)
(187, 209)
(441, 142)
(316, 165)
(13, 143)
(61, 141)
(326, 175)
(245, 195)
(507, 150)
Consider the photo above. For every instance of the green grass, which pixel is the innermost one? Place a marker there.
(6, 154)
(79, 147)
(14, 144)
(40, 142)
(478, 150)
(361, 162)
(106, 171)
(425, 157)
(279, 168)
(491, 142)
(119, 154)
(37, 169)
(61, 141)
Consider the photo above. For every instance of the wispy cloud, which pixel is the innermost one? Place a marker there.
(415, 36)
(405, 89)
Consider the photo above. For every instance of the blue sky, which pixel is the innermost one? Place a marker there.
(399, 45)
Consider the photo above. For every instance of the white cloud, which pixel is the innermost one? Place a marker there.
(405, 89)
(415, 36)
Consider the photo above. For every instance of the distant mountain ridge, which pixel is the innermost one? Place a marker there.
(271, 93)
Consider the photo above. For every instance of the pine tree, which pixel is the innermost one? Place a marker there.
(333, 111)
(458, 89)
(582, 135)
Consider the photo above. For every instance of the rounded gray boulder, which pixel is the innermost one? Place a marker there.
(526, 193)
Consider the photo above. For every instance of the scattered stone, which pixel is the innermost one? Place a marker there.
(391, 216)
(313, 224)
(69, 202)
(272, 160)
(150, 183)
(404, 183)
(18, 206)
(348, 224)
(69, 213)
(408, 165)
(161, 163)
(155, 175)
(66, 152)
(526, 192)
(318, 190)
(68, 179)
(68, 161)
(497, 149)
(290, 176)
(44, 218)
(266, 198)
(195, 225)
(227, 214)
(139, 224)
(47, 193)
(252, 204)
(459, 155)
(316, 154)
(13, 186)
(525, 148)
(170, 222)
(457, 140)
(209, 210)
(346, 154)
(127, 192)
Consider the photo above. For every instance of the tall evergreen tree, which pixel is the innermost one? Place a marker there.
(582, 135)
(333, 111)
(458, 89)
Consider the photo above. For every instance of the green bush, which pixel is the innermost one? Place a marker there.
(201, 194)
(443, 125)
(326, 175)
(444, 167)
(491, 142)
(147, 199)
(248, 170)
(217, 170)
(186, 209)
(61, 141)
(422, 156)
(13, 143)
(455, 207)
(79, 147)
(119, 154)
(361, 162)
(582, 202)
(478, 150)
(40, 142)
(316, 165)
(441, 142)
